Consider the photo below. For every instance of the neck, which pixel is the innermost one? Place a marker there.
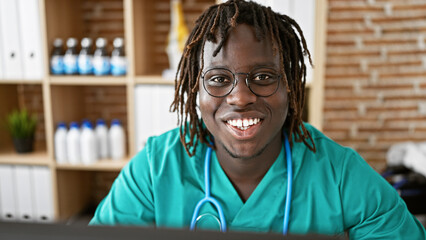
(246, 173)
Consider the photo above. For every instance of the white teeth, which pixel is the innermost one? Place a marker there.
(239, 123)
(243, 124)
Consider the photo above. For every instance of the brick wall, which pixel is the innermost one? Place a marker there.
(161, 20)
(106, 102)
(31, 98)
(103, 19)
(106, 19)
(102, 182)
(375, 83)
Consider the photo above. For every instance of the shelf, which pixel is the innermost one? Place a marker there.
(153, 79)
(88, 80)
(34, 158)
(20, 81)
(102, 165)
(144, 25)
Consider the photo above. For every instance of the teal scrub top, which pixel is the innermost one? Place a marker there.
(334, 190)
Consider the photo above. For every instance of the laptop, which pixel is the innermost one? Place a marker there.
(41, 231)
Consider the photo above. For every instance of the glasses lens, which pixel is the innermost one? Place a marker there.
(218, 82)
(263, 83)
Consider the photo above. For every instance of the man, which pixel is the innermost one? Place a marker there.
(250, 159)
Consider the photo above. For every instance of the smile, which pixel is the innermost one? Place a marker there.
(243, 124)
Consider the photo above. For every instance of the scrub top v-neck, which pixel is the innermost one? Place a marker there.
(334, 190)
(254, 214)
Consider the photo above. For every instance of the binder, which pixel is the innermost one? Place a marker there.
(162, 118)
(304, 14)
(30, 34)
(283, 7)
(24, 196)
(7, 193)
(156, 118)
(152, 104)
(143, 114)
(12, 54)
(167, 119)
(43, 194)
(1, 53)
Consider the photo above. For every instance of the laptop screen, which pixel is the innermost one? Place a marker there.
(34, 231)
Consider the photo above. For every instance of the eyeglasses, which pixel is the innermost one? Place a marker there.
(219, 82)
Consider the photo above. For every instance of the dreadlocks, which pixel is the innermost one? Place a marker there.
(218, 21)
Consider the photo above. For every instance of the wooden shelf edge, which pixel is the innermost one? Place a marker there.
(101, 165)
(34, 158)
(88, 80)
(20, 81)
(153, 79)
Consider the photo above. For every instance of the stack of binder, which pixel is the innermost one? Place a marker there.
(26, 193)
(152, 103)
(21, 55)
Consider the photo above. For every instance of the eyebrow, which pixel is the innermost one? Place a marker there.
(253, 66)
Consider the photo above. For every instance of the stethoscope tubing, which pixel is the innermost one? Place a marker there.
(289, 185)
(207, 197)
(216, 204)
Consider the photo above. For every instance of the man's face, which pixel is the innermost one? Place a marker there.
(265, 115)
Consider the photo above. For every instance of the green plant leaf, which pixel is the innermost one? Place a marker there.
(20, 124)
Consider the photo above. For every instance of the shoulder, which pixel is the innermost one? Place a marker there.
(162, 151)
(166, 142)
(326, 147)
(330, 157)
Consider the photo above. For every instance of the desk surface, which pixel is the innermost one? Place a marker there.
(34, 231)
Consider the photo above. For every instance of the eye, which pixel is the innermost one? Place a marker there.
(262, 77)
(219, 79)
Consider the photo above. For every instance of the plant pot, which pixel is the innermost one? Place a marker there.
(23, 145)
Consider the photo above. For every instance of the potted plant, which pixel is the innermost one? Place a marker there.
(22, 128)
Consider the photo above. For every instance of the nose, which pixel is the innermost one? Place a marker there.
(241, 95)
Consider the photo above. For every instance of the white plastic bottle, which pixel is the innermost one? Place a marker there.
(88, 144)
(117, 140)
(101, 132)
(73, 143)
(61, 143)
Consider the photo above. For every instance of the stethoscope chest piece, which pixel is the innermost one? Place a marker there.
(208, 218)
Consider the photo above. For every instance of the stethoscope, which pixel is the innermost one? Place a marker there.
(216, 204)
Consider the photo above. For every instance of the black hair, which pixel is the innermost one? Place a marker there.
(216, 22)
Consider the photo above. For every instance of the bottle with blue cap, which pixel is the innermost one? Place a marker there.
(61, 143)
(117, 140)
(73, 143)
(88, 144)
(101, 132)
(70, 57)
